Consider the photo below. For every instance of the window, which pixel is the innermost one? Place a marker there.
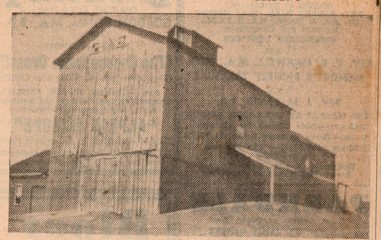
(96, 48)
(18, 194)
(221, 197)
(307, 165)
(240, 101)
(240, 131)
(121, 41)
(200, 139)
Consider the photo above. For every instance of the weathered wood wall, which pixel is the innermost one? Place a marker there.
(33, 195)
(187, 184)
(203, 106)
(322, 161)
(63, 182)
(109, 102)
(209, 110)
(297, 188)
(126, 184)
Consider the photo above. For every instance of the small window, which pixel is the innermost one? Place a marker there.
(200, 139)
(240, 101)
(96, 47)
(307, 165)
(18, 194)
(240, 131)
(122, 41)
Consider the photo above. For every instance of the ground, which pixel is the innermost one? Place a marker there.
(239, 219)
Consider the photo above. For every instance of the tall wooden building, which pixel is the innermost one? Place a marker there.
(147, 123)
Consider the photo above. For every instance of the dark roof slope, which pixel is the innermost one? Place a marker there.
(98, 28)
(198, 55)
(309, 142)
(193, 33)
(38, 163)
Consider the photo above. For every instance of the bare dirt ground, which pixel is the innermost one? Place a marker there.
(238, 219)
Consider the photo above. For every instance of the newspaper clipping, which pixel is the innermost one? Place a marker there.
(170, 119)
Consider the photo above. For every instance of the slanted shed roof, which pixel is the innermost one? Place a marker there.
(38, 163)
(262, 159)
(305, 140)
(195, 53)
(106, 22)
(318, 176)
(269, 162)
(95, 31)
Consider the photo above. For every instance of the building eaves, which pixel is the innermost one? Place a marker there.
(198, 55)
(96, 30)
(310, 142)
(264, 160)
(38, 163)
(195, 33)
(269, 162)
(105, 22)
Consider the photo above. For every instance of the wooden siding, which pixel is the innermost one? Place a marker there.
(209, 110)
(111, 111)
(186, 184)
(33, 198)
(63, 182)
(322, 162)
(110, 102)
(199, 131)
(297, 188)
(204, 104)
(125, 184)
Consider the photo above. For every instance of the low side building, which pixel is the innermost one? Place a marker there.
(28, 184)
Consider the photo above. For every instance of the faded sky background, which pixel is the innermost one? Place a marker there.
(319, 65)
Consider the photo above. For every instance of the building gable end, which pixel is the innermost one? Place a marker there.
(96, 30)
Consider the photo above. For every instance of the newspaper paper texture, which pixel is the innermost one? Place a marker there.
(170, 119)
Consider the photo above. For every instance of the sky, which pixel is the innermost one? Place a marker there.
(319, 65)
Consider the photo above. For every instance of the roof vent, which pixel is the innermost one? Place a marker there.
(196, 41)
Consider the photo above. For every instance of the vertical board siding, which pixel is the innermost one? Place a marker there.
(63, 183)
(110, 102)
(131, 188)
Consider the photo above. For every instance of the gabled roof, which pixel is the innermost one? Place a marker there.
(106, 22)
(38, 163)
(95, 31)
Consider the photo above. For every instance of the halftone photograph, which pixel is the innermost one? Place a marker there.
(216, 125)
